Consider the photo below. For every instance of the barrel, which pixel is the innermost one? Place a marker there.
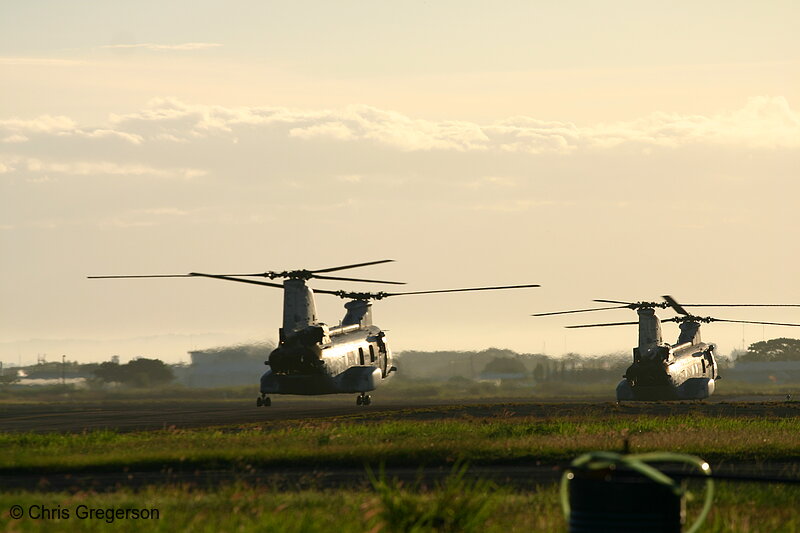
(611, 500)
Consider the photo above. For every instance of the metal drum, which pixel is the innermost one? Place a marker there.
(622, 503)
(605, 492)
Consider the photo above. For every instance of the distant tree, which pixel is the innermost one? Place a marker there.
(140, 372)
(7, 377)
(109, 372)
(735, 354)
(504, 365)
(782, 349)
(148, 373)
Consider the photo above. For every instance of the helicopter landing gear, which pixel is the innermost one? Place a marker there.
(263, 400)
(363, 399)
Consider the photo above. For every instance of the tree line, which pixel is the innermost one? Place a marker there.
(782, 349)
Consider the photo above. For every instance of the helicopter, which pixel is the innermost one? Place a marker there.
(686, 370)
(313, 358)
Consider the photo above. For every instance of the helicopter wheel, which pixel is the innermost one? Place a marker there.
(363, 399)
(263, 401)
(259, 402)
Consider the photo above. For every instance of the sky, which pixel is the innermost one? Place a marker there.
(615, 150)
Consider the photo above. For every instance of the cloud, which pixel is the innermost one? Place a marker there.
(764, 122)
(331, 130)
(41, 124)
(15, 130)
(270, 148)
(9, 163)
(129, 137)
(157, 47)
(354, 123)
(397, 130)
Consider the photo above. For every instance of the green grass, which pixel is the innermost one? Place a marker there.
(354, 441)
(455, 505)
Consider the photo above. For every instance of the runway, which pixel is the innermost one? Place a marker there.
(522, 475)
(76, 417)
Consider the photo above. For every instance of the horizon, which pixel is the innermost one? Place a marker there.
(271, 345)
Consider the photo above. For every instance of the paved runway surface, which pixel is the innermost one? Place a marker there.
(154, 415)
(521, 476)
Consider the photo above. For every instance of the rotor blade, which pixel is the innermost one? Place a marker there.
(357, 279)
(333, 269)
(148, 276)
(580, 310)
(324, 291)
(229, 278)
(254, 282)
(255, 275)
(754, 322)
(612, 302)
(601, 325)
(675, 305)
(460, 290)
(743, 305)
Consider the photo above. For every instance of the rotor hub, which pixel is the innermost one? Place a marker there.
(290, 274)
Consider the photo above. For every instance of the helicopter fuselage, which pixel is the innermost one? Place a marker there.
(681, 372)
(321, 360)
(686, 370)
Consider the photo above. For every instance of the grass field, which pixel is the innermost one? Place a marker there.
(432, 436)
(354, 441)
(455, 507)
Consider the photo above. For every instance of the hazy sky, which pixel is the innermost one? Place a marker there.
(618, 150)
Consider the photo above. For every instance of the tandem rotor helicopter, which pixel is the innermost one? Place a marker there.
(686, 370)
(313, 358)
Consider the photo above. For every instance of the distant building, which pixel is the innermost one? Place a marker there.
(224, 367)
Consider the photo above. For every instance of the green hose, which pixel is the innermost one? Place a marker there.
(639, 463)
